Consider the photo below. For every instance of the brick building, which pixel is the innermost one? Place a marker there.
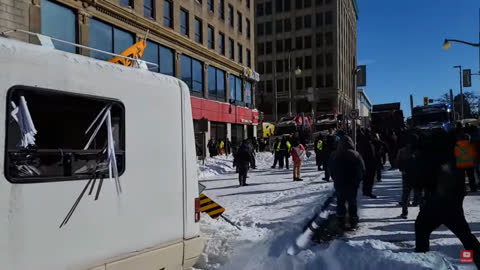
(310, 47)
(209, 44)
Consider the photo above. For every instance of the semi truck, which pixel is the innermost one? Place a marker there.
(387, 116)
(434, 116)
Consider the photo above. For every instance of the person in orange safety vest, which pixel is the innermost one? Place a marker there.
(466, 155)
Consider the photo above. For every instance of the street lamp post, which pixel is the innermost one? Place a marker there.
(298, 71)
(461, 93)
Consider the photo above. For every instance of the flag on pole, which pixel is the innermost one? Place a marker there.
(135, 51)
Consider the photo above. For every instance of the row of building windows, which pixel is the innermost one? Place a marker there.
(321, 60)
(285, 25)
(300, 44)
(286, 5)
(106, 37)
(301, 83)
(198, 25)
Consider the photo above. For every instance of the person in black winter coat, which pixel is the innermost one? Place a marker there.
(242, 160)
(319, 153)
(276, 153)
(347, 169)
(444, 194)
(329, 147)
(367, 151)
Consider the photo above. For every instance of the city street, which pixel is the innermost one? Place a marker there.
(273, 210)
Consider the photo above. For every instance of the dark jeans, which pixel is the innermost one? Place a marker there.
(325, 167)
(368, 181)
(276, 159)
(242, 173)
(407, 189)
(434, 214)
(285, 156)
(350, 197)
(471, 177)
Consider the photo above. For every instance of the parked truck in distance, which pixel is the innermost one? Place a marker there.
(301, 126)
(387, 116)
(435, 116)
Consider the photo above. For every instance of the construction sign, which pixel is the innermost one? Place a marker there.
(135, 51)
(207, 205)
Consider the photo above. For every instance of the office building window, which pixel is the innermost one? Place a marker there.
(108, 38)
(298, 4)
(279, 46)
(127, 3)
(216, 83)
(168, 13)
(261, 68)
(191, 72)
(279, 85)
(279, 66)
(299, 43)
(240, 53)
(279, 26)
(149, 8)
(268, 28)
(329, 38)
(329, 80)
(308, 62)
(307, 21)
(260, 29)
(307, 4)
(198, 30)
(268, 67)
(278, 6)
(298, 22)
(236, 89)
(248, 3)
(221, 43)
(287, 5)
(329, 59)
(319, 40)
(299, 62)
(160, 55)
(308, 42)
(318, 2)
(221, 9)
(320, 81)
(269, 48)
(239, 24)
(299, 83)
(288, 44)
(287, 84)
(261, 48)
(211, 37)
(184, 22)
(59, 22)
(260, 10)
(231, 49)
(328, 18)
(319, 19)
(230, 16)
(210, 5)
(308, 82)
(287, 25)
(268, 86)
(268, 8)
(248, 28)
(319, 61)
(248, 91)
(249, 58)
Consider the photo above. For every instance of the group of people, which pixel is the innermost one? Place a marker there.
(219, 147)
(433, 163)
(289, 146)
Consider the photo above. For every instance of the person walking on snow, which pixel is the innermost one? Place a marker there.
(319, 152)
(347, 168)
(284, 152)
(466, 154)
(297, 151)
(242, 160)
(367, 151)
(276, 153)
(407, 162)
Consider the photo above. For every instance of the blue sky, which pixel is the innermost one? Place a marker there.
(401, 44)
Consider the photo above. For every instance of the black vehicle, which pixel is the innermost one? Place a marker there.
(435, 116)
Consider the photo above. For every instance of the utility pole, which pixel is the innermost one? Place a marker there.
(452, 104)
(411, 105)
(290, 99)
(275, 92)
(461, 91)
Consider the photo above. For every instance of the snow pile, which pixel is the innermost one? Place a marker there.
(217, 165)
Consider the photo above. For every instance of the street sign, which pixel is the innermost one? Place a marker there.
(362, 75)
(354, 114)
(467, 78)
(207, 205)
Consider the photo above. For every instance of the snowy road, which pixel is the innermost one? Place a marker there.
(273, 210)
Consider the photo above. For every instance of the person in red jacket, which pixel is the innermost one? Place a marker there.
(297, 151)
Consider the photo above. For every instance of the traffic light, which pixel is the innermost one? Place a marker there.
(425, 101)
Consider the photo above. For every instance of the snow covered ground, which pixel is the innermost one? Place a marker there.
(273, 210)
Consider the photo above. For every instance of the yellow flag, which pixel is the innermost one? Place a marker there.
(134, 51)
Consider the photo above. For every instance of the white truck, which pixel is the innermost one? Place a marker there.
(60, 207)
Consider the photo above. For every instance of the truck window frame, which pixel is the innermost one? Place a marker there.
(47, 179)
